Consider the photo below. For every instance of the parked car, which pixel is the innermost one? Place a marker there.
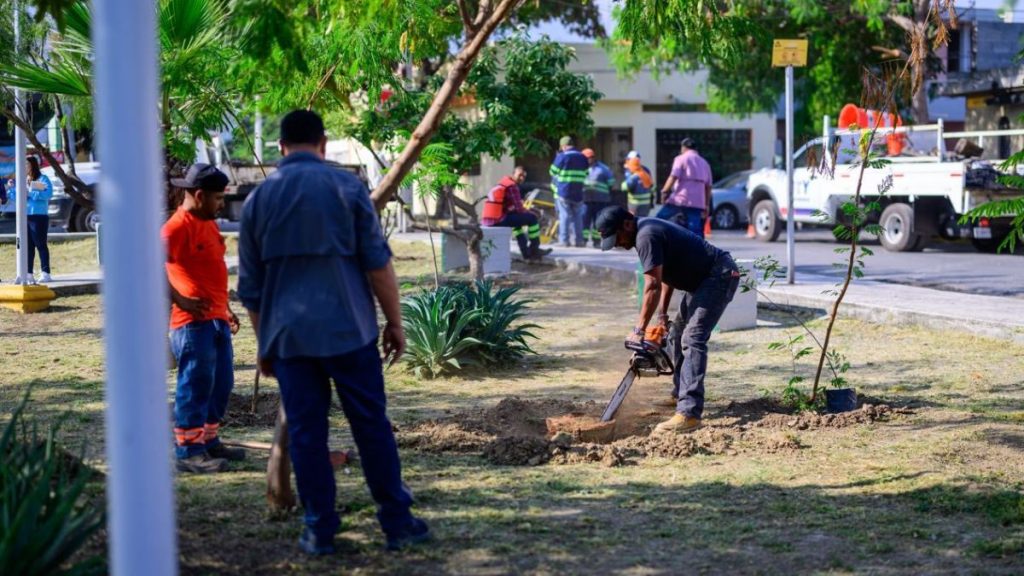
(64, 213)
(729, 201)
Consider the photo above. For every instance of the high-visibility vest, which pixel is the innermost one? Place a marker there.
(494, 206)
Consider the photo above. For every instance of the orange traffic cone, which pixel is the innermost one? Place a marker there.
(750, 231)
(707, 227)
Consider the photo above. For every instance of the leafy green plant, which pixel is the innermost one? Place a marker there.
(465, 324)
(435, 325)
(43, 518)
(501, 342)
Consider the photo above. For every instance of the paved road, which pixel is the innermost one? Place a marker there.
(944, 265)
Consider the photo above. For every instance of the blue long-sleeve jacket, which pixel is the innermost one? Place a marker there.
(38, 201)
(568, 172)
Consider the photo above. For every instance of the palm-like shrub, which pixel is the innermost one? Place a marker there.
(43, 521)
(502, 343)
(435, 325)
(457, 325)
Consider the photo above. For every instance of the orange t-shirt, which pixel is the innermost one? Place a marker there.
(195, 265)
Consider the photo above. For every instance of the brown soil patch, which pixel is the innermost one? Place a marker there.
(240, 412)
(521, 432)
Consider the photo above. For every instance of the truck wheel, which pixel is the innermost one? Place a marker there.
(766, 221)
(898, 234)
(85, 220)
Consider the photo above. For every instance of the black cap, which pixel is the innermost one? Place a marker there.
(689, 143)
(202, 177)
(609, 222)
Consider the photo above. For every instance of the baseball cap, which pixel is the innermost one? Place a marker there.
(202, 177)
(587, 152)
(689, 143)
(608, 223)
(565, 141)
(632, 154)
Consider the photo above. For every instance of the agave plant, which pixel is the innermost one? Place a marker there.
(43, 521)
(435, 324)
(502, 343)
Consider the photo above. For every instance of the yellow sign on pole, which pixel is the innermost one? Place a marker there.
(789, 53)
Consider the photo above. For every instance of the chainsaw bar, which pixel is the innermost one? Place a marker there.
(619, 396)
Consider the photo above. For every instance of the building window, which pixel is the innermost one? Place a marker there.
(727, 151)
(953, 52)
(1004, 141)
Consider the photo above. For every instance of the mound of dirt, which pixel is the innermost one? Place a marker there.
(518, 451)
(517, 417)
(439, 437)
(240, 412)
(811, 421)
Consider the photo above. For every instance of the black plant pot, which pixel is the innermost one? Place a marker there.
(840, 400)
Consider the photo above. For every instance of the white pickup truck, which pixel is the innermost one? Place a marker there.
(930, 190)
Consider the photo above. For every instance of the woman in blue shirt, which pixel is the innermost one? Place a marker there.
(40, 190)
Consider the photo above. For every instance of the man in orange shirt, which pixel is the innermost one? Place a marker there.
(201, 321)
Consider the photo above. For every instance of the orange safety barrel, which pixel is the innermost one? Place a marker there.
(851, 115)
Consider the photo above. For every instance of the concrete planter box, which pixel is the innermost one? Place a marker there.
(495, 248)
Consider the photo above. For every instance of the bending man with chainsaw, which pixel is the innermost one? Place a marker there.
(504, 208)
(673, 258)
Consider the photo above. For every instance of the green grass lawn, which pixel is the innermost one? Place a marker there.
(935, 491)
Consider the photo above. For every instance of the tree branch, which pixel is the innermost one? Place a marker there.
(73, 187)
(467, 21)
(431, 121)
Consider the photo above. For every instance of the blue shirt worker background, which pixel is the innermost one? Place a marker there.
(673, 258)
(597, 194)
(568, 173)
(312, 258)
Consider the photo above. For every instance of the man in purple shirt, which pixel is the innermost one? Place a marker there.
(686, 196)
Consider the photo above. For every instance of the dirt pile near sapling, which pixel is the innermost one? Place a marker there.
(239, 412)
(517, 417)
(440, 437)
(518, 451)
(866, 414)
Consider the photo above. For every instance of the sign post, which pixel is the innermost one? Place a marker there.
(789, 53)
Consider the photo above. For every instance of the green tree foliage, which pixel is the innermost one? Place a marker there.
(732, 41)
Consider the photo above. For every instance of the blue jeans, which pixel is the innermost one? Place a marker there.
(570, 214)
(306, 392)
(38, 228)
(206, 376)
(689, 218)
(698, 314)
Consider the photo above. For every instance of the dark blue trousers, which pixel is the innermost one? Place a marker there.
(689, 218)
(206, 375)
(38, 229)
(306, 392)
(698, 314)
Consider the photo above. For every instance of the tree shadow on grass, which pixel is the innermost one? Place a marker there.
(570, 521)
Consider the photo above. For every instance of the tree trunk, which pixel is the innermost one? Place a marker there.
(476, 258)
(919, 100)
(442, 101)
(279, 469)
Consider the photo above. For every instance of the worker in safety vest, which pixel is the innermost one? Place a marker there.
(504, 207)
(637, 186)
(597, 194)
(568, 172)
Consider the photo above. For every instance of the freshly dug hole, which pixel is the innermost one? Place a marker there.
(239, 412)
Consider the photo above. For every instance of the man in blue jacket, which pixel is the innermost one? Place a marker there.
(568, 173)
(597, 194)
(312, 259)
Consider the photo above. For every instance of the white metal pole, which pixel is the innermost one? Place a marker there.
(790, 225)
(258, 144)
(21, 205)
(139, 486)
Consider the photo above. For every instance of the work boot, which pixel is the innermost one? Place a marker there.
(539, 253)
(202, 464)
(416, 533)
(314, 546)
(222, 451)
(678, 424)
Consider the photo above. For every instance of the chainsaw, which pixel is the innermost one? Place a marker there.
(649, 360)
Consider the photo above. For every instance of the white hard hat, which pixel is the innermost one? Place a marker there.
(632, 154)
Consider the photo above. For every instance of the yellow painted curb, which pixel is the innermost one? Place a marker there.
(26, 299)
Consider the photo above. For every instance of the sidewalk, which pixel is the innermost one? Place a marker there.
(882, 302)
